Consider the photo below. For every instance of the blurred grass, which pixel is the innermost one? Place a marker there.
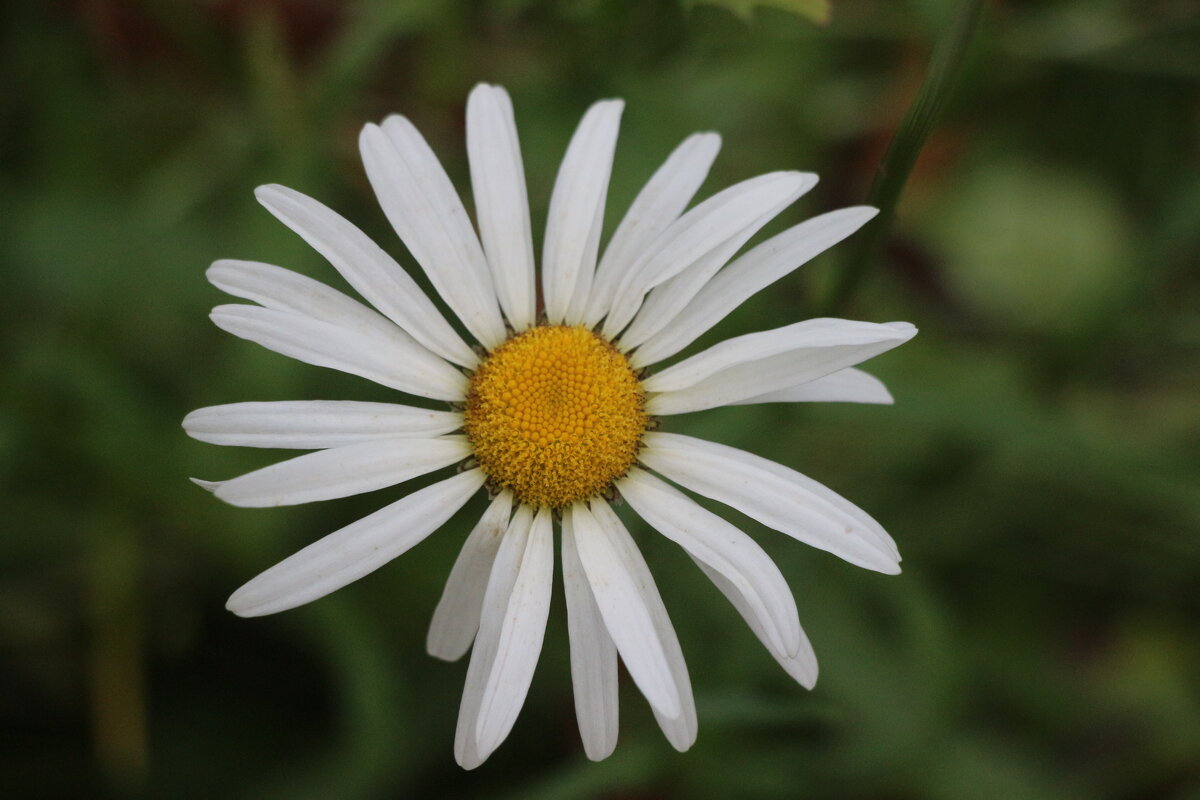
(1039, 470)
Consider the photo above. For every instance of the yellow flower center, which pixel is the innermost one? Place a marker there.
(555, 414)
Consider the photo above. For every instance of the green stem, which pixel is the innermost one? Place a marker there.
(944, 67)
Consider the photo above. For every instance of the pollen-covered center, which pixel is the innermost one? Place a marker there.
(555, 414)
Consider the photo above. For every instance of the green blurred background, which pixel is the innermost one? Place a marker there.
(1039, 469)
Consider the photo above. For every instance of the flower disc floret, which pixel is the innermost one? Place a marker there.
(556, 415)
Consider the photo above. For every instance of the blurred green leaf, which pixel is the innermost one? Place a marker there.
(817, 11)
(1033, 244)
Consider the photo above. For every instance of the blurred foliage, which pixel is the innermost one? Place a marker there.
(1039, 470)
(816, 10)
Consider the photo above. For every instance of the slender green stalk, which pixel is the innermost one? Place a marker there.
(922, 116)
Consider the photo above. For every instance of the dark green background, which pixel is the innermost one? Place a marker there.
(1039, 469)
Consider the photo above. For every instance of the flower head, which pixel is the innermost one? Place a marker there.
(555, 412)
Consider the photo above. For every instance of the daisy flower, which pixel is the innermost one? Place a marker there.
(555, 411)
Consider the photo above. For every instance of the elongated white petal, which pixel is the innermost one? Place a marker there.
(681, 730)
(577, 210)
(776, 496)
(666, 300)
(392, 360)
(801, 666)
(315, 424)
(760, 363)
(500, 583)
(757, 269)
(718, 544)
(849, 385)
(342, 471)
(693, 235)
(365, 266)
(456, 618)
(577, 307)
(283, 290)
(501, 200)
(731, 386)
(519, 644)
(658, 204)
(817, 335)
(624, 606)
(420, 202)
(348, 554)
(593, 655)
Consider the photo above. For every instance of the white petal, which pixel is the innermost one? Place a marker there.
(811, 334)
(501, 201)
(658, 204)
(279, 289)
(419, 200)
(315, 424)
(718, 544)
(801, 666)
(456, 618)
(500, 583)
(393, 360)
(774, 495)
(342, 471)
(763, 362)
(669, 298)
(847, 385)
(680, 731)
(283, 290)
(348, 554)
(695, 234)
(593, 655)
(784, 372)
(757, 269)
(522, 627)
(624, 607)
(365, 266)
(577, 208)
(583, 283)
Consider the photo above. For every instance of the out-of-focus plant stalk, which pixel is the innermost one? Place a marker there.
(944, 67)
(117, 665)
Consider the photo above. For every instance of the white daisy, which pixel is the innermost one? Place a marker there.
(555, 412)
